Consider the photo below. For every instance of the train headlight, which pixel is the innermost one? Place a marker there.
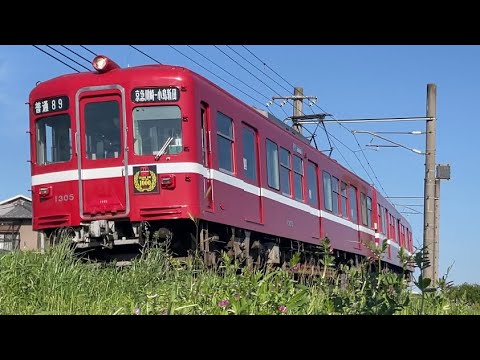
(99, 63)
(102, 64)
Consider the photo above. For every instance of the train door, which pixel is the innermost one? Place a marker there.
(251, 171)
(102, 152)
(207, 157)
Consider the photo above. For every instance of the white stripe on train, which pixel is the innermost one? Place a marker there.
(191, 167)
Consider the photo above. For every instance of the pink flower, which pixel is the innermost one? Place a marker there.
(224, 303)
(283, 309)
(137, 311)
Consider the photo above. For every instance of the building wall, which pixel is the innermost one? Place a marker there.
(28, 237)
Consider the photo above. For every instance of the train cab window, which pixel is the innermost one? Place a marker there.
(272, 165)
(285, 171)
(353, 204)
(298, 177)
(249, 153)
(225, 142)
(312, 184)
(54, 139)
(344, 199)
(327, 191)
(155, 126)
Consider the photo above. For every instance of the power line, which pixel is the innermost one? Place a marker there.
(268, 66)
(203, 67)
(263, 62)
(80, 56)
(52, 56)
(90, 51)
(235, 77)
(355, 154)
(244, 68)
(68, 57)
(141, 52)
(368, 163)
(236, 52)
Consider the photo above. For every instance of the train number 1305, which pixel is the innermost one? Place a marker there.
(65, 197)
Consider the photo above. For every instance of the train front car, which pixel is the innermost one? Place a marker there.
(112, 155)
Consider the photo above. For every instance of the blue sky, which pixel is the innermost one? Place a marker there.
(350, 82)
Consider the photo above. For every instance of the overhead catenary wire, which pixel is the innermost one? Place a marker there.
(283, 87)
(227, 82)
(68, 57)
(75, 53)
(54, 57)
(333, 117)
(263, 72)
(90, 51)
(265, 64)
(143, 53)
(235, 77)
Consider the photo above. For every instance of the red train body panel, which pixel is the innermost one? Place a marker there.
(96, 141)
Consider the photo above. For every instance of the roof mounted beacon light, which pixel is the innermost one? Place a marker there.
(103, 64)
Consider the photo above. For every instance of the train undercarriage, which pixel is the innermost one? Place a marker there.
(186, 237)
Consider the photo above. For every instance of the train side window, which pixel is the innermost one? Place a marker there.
(327, 191)
(298, 177)
(369, 212)
(344, 195)
(384, 221)
(366, 210)
(249, 153)
(379, 221)
(335, 195)
(353, 204)
(285, 172)
(272, 165)
(312, 184)
(54, 139)
(225, 142)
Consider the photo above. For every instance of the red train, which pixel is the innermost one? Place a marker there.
(121, 154)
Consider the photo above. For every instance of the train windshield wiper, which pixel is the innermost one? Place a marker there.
(164, 147)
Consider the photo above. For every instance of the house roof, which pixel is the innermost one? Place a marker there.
(17, 207)
(16, 197)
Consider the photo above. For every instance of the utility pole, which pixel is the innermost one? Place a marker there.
(443, 173)
(429, 190)
(297, 105)
(437, 232)
(297, 108)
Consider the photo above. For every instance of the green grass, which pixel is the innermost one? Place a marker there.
(59, 283)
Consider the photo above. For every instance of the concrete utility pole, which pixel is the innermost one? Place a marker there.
(436, 232)
(429, 190)
(297, 108)
(443, 173)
